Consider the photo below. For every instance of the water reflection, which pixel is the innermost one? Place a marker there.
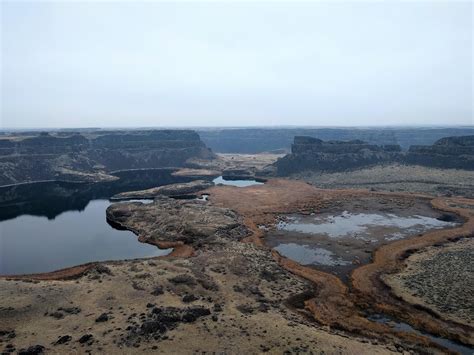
(50, 199)
(53, 225)
(404, 327)
(307, 255)
(236, 182)
(358, 225)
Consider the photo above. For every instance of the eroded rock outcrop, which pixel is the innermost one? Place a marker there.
(167, 221)
(308, 153)
(187, 188)
(449, 152)
(83, 157)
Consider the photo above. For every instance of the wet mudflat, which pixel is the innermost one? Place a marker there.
(339, 242)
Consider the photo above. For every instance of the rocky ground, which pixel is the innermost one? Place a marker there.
(231, 299)
(253, 163)
(439, 278)
(398, 178)
(230, 294)
(182, 189)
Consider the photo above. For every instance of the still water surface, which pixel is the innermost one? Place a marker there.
(30, 244)
(50, 226)
(238, 183)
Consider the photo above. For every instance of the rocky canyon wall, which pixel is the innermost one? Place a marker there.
(314, 154)
(91, 156)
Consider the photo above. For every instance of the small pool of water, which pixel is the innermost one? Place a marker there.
(238, 183)
(306, 254)
(146, 201)
(203, 197)
(359, 225)
(32, 244)
(404, 327)
(339, 243)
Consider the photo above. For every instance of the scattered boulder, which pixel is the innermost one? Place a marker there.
(183, 279)
(32, 350)
(102, 318)
(86, 338)
(57, 315)
(63, 340)
(70, 310)
(157, 290)
(189, 298)
(162, 319)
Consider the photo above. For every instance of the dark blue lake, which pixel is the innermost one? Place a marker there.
(49, 226)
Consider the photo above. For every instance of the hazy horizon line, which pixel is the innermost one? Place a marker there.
(39, 128)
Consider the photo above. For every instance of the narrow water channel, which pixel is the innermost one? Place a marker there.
(404, 327)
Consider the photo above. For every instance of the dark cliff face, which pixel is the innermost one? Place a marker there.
(449, 152)
(84, 157)
(309, 153)
(149, 149)
(313, 154)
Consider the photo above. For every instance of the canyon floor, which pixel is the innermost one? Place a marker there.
(224, 290)
(396, 177)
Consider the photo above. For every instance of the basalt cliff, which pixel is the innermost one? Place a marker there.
(308, 153)
(92, 156)
(312, 154)
(447, 153)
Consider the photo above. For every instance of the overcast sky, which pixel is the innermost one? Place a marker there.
(91, 63)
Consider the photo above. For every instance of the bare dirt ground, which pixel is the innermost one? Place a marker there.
(398, 178)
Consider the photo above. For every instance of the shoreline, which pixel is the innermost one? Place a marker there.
(334, 303)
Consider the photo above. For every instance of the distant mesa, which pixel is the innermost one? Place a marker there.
(449, 152)
(309, 153)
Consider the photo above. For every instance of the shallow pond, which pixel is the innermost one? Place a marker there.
(360, 225)
(307, 255)
(338, 243)
(237, 182)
